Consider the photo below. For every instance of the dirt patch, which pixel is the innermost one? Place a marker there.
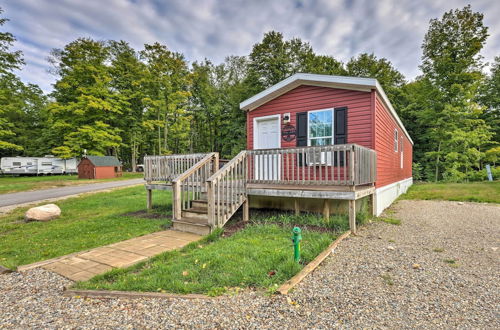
(146, 215)
(232, 228)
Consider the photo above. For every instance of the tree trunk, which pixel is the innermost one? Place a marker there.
(437, 163)
(133, 154)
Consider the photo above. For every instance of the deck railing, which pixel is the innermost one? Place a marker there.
(189, 185)
(345, 164)
(226, 190)
(166, 168)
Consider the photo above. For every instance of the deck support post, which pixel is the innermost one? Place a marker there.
(176, 202)
(246, 210)
(326, 210)
(296, 206)
(149, 200)
(373, 205)
(352, 216)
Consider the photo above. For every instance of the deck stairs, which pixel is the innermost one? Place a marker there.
(205, 197)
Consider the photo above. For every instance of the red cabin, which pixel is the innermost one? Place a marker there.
(99, 167)
(318, 133)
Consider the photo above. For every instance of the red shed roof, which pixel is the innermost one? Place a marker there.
(342, 82)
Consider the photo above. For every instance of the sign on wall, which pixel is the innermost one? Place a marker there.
(288, 132)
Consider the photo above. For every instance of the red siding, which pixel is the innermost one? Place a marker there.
(306, 98)
(369, 123)
(388, 161)
(87, 170)
(105, 172)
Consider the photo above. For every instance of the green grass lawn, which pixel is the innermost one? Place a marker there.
(258, 256)
(9, 184)
(488, 192)
(86, 222)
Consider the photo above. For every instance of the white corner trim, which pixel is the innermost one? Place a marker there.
(345, 82)
(386, 195)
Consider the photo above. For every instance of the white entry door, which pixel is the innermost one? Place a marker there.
(267, 136)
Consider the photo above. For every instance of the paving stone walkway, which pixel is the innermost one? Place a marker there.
(85, 265)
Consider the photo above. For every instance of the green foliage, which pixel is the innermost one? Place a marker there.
(259, 256)
(483, 192)
(417, 171)
(368, 65)
(111, 99)
(440, 107)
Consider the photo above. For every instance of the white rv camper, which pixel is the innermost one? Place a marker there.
(37, 165)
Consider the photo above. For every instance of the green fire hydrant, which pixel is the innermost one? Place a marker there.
(296, 238)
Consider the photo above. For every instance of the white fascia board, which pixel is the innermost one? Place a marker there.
(343, 82)
(391, 109)
(310, 79)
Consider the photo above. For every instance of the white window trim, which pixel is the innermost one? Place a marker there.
(395, 138)
(323, 137)
(325, 159)
(402, 151)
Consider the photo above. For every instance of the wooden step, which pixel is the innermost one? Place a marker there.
(192, 225)
(196, 212)
(199, 203)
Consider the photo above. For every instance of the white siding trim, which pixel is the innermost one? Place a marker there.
(386, 195)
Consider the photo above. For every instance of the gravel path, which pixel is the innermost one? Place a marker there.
(371, 281)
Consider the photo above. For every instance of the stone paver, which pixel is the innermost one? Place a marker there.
(85, 265)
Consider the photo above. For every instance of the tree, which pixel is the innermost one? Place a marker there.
(274, 59)
(490, 98)
(166, 87)
(9, 61)
(127, 77)
(86, 111)
(368, 65)
(452, 65)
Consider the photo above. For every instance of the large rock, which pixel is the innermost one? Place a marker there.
(43, 213)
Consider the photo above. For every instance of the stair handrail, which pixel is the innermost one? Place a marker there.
(199, 172)
(226, 190)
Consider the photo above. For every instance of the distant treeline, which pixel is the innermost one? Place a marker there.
(111, 99)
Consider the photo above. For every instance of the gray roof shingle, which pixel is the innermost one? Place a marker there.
(104, 160)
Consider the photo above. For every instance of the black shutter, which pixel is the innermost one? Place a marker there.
(301, 133)
(340, 130)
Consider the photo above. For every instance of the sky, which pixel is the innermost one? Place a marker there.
(215, 29)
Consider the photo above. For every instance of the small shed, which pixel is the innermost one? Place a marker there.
(99, 167)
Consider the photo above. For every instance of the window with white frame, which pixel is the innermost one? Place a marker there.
(320, 133)
(320, 126)
(396, 140)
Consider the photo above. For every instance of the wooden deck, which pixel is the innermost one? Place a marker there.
(205, 195)
(320, 192)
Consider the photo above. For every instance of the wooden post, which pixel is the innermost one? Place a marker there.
(216, 163)
(246, 210)
(373, 204)
(351, 166)
(326, 210)
(296, 206)
(212, 221)
(177, 202)
(149, 199)
(352, 216)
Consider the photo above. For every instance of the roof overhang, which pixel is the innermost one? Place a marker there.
(342, 82)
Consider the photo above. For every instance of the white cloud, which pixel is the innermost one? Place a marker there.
(215, 29)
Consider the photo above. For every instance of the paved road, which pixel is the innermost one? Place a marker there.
(39, 195)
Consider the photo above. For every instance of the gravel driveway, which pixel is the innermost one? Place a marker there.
(372, 280)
